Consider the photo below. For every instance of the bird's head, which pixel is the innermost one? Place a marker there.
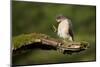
(60, 18)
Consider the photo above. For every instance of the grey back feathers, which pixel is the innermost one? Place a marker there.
(71, 30)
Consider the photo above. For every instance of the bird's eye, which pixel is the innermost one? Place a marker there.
(59, 17)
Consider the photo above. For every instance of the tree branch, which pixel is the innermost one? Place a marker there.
(34, 40)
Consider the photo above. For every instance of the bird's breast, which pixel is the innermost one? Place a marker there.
(63, 29)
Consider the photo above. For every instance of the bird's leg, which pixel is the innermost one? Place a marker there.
(65, 40)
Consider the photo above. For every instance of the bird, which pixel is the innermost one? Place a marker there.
(64, 29)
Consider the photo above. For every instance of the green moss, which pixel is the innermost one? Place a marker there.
(25, 39)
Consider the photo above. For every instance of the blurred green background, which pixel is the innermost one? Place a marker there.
(28, 17)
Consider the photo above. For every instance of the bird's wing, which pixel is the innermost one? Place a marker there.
(71, 30)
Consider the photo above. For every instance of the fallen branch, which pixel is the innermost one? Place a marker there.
(35, 39)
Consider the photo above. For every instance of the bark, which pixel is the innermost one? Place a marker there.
(47, 42)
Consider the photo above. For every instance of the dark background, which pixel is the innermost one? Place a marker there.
(28, 17)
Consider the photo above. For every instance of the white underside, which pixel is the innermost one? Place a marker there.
(63, 30)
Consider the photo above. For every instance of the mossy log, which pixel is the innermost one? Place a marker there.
(47, 42)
